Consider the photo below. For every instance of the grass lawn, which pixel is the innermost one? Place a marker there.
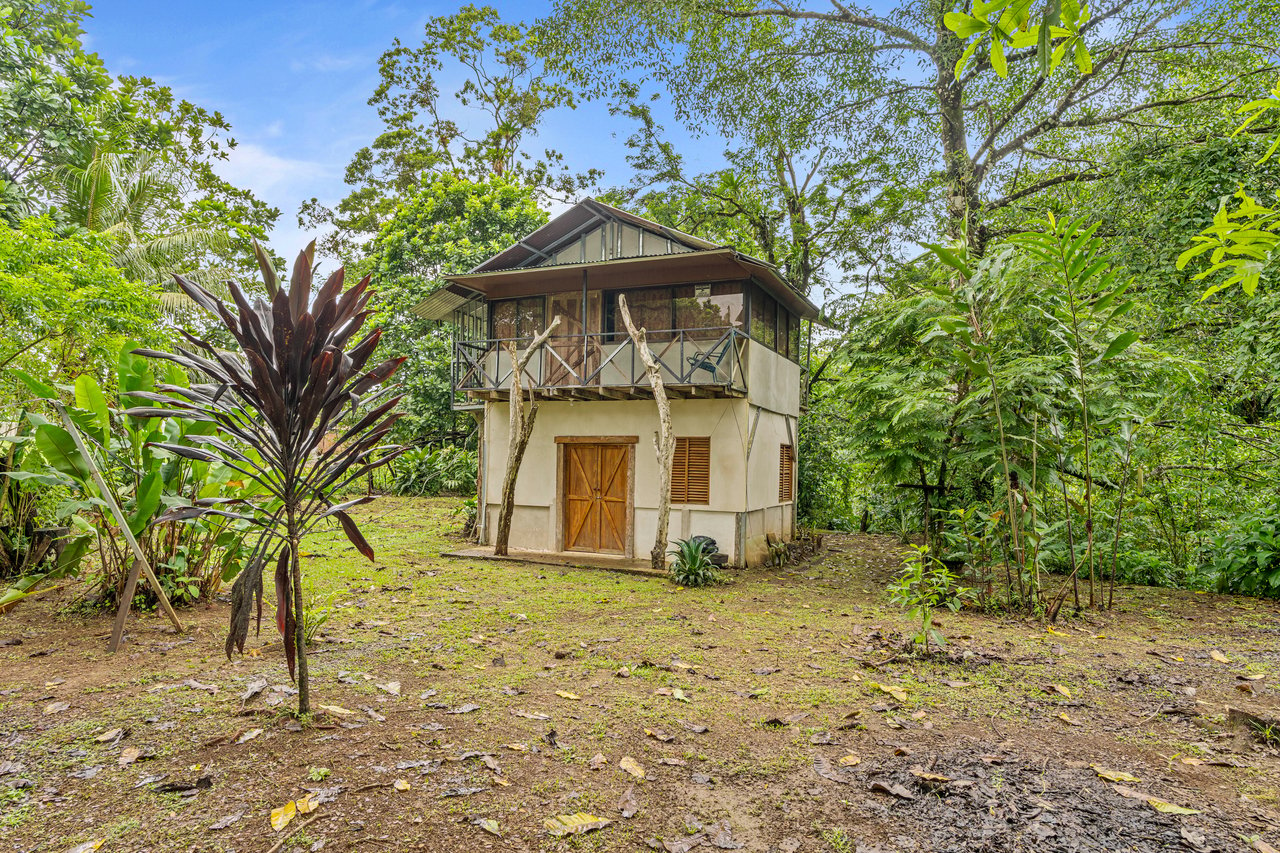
(778, 712)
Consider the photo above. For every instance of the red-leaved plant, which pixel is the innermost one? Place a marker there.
(297, 379)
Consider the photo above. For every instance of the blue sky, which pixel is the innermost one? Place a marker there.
(293, 79)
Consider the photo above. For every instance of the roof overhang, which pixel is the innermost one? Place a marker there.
(441, 304)
(697, 267)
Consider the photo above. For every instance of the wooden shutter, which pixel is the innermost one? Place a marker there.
(691, 471)
(786, 474)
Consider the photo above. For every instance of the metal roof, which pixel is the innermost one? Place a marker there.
(539, 247)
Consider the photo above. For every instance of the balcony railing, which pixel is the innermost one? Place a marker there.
(605, 363)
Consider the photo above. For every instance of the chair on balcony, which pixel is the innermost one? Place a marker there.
(711, 359)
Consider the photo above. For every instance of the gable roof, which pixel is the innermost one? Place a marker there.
(592, 232)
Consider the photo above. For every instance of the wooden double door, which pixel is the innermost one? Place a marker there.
(596, 497)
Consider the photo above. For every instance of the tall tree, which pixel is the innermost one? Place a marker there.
(984, 146)
(485, 127)
(447, 226)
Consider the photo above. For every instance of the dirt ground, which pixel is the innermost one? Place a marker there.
(468, 702)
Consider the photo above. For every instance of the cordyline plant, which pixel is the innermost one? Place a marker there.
(297, 379)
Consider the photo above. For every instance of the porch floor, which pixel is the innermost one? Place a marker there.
(564, 559)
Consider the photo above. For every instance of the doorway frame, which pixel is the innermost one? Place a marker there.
(629, 441)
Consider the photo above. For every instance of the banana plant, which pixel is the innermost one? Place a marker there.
(191, 559)
(298, 377)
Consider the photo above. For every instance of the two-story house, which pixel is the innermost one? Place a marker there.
(725, 329)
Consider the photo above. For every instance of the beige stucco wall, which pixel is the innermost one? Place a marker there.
(744, 474)
(773, 381)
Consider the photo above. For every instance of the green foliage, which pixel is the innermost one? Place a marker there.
(503, 97)
(446, 226)
(65, 308)
(924, 585)
(428, 471)
(191, 558)
(1246, 559)
(691, 565)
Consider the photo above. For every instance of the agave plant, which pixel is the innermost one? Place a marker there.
(297, 379)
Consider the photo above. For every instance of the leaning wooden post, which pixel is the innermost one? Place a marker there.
(664, 440)
(140, 557)
(518, 439)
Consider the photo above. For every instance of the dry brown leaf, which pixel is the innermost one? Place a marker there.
(1219, 656)
(628, 805)
(109, 735)
(249, 735)
(128, 755)
(401, 784)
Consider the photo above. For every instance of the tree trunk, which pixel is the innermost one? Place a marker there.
(299, 621)
(664, 441)
(521, 428)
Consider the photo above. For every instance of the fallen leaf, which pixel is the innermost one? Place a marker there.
(1155, 802)
(88, 846)
(401, 784)
(598, 762)
(894, 691)
(1063, 716)
(574, 824)
(822, 766)
(392, 687)
(694, 727)
(1059, 689)
(849, 761)
(632, 766)
(307, 804)
(1219, 656)
(526, 715)
(128, 755)
(1261, 846)
(248, 736)
(1114, 775)
(1169, 808)
(488, 824)
(283, 816)
(110, 735)
(565, 694)
(892, 788)
(224, 822)
(628, 805)
(465, 709)
(55, 708)
(678, 694)
(336, 710)
(659, 735)
(958, 685)
(517, 747)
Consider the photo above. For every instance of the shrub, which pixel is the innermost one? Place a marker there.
(429, 472)
(923, 585)
(1246, 559)
(692, 565)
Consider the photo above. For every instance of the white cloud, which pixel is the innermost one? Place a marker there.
(324, 62)
(280, 181)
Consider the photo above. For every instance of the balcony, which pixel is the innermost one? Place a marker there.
(605, 366)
